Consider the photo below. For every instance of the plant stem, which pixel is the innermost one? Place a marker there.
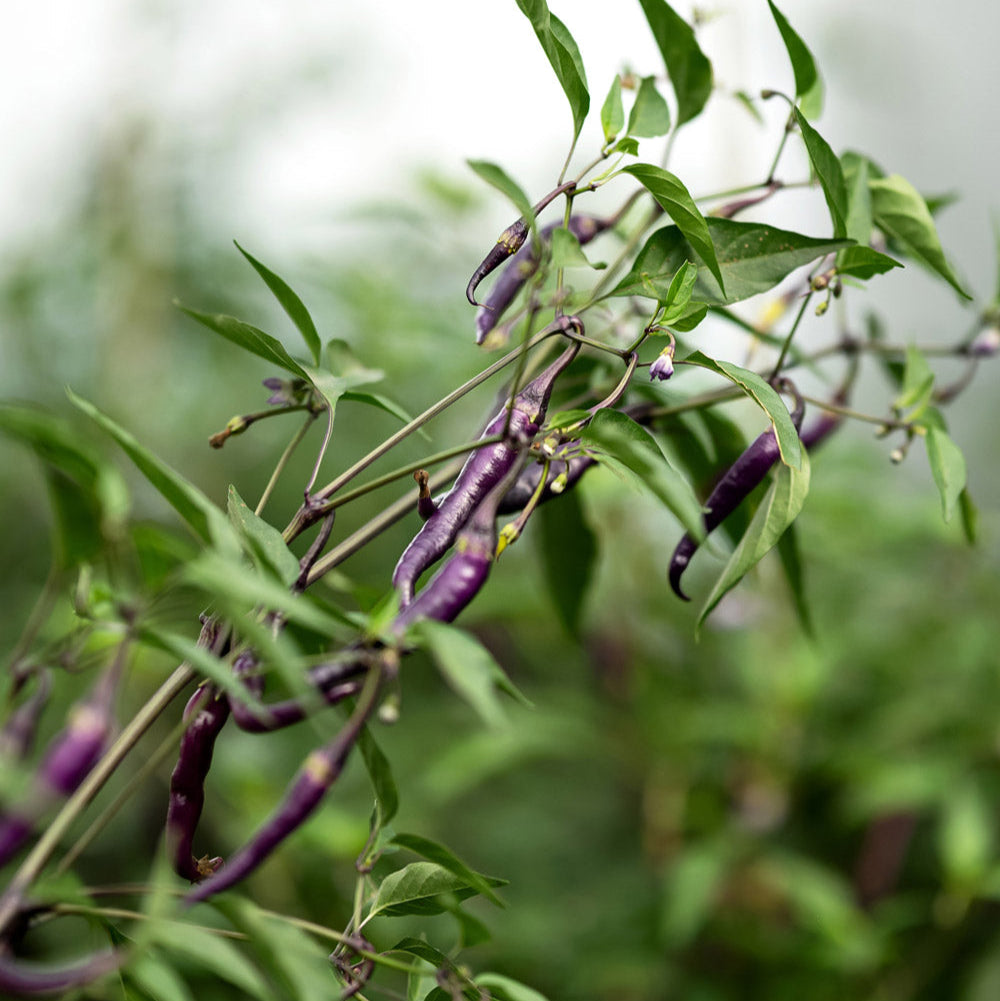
(283, 462)
(791, 334)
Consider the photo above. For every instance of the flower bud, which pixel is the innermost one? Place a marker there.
(986, 343)
(663, 367)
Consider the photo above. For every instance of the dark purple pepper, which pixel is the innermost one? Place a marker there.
(426, 505)
(319, 771)
(509, 242)
(482, 471)
(564, 472)
(18, 979)
(739, 480)
(68, 760)
(18, 734)
(523, 265)
(207, 713)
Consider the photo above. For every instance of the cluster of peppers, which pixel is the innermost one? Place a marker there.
(510, 474)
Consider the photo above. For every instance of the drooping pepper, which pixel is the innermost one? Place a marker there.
(738, 481)
(522, 266)
(483, 469)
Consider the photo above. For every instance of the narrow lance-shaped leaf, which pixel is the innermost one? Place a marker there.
(612, 112)
(192, 505)
(568, 551)
(828, 170)
(623, 444)
(498, 178)
(290, 303)
(688, 67)
(761, 391)
(380, 772)
(808, 85)
(650, 115)
(447, 859)
(419, 888)
(563, 55)
(469, 668)
(249, 338)
(948, 468)
(676, 201)
(902, 214)
(264, 540)
(753, 258)
(777, 511)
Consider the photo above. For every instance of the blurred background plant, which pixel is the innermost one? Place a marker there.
(755, 815)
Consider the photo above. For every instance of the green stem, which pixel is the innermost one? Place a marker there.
(283, 462)
(305, 517)
(791, 334)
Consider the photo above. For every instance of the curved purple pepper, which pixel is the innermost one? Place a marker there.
(68, 760)
(18, 979)
(482, 471)
(567, 472)
(739, 480)
(208, 713)
(522, 266)
(18, 733)
(509, 242)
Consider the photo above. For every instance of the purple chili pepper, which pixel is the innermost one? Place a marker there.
(567, 474)
(207, 712)
(18, 734)
(483, 469)
(19, 979)
(739, 480)
(522, 266)
(68, 760)
(509, 242)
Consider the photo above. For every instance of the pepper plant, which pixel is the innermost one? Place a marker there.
(599, 370)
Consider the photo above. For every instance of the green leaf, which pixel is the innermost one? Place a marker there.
(966, 836)
(676, 201)
(191, 504)
(290, 303)
(203, 661)
(563, 55)
(212, 953)
(380, 402)
(299, 965)
(233, 580)
(263, 540)
(691, 887)
(970, 517)
(917, 385)
(752, 257)
(567, 252)
(650, 116)
(761, 391)
(855, 171)
(568, 551)
(505, 184)
(675, 305)
(447, 859)
(249, 338)
(90, 501)
(948, 468)
(380, 773)
(791, 563)
(864, 262)
(828, 170)
(628, 145)
(902, 214)
(620, 442)
(689, 70)
(808, 85)
(468, 667)
(155, 978)
(777, 511)
(423, 888)
(612, 112)
(505, 989)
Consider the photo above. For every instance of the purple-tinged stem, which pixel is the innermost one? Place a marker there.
(18, 734)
